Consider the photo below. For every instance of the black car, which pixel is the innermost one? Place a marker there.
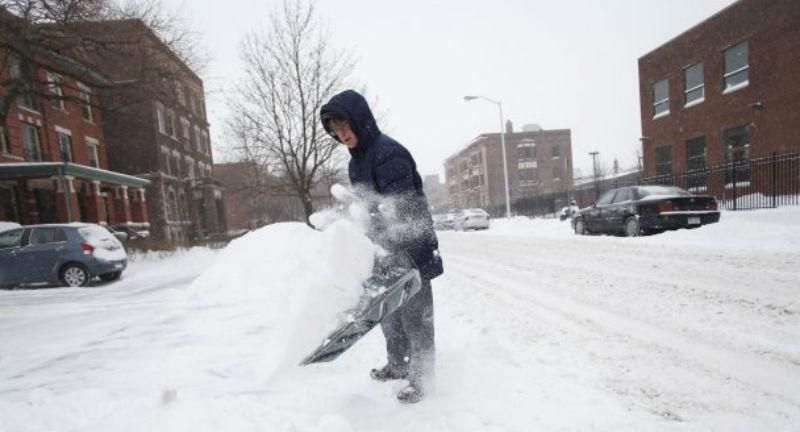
(639, 210)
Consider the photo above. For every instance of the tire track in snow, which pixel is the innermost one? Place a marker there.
(770, 378)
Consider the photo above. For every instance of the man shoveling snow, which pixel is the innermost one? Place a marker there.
(384, 176)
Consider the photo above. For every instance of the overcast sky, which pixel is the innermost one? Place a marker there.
(560, 64)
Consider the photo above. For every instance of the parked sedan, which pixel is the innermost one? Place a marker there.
(474, 218)
(639, 210)
(67, 254)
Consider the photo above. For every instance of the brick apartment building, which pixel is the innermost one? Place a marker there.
(53, 152)
(723, 91)
(539, 161)
(158, 130)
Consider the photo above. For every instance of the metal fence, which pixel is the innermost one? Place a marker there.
(766, 182)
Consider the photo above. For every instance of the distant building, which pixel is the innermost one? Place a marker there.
(539, 161)
(436, 193)
(725, 90)
(157, 129)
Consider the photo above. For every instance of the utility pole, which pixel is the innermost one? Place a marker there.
(596, 178)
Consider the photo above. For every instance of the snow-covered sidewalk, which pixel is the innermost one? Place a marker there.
(537, 329)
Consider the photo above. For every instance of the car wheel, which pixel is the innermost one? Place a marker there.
(632, 227)
(75, 275)
(580, 227)
(108, 277)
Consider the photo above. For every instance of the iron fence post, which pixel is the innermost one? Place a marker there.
(774, 179)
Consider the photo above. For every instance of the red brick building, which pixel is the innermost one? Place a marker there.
(158, 129)
(539, 162)
(53, 156)
(726, 90)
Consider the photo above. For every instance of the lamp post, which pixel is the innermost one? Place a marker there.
(594, 154)
(502, 146)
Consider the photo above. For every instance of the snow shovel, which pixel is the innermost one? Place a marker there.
(394, 280)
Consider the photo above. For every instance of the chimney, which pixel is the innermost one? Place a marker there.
(509, 127)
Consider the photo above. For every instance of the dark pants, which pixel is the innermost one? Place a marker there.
(409, 337)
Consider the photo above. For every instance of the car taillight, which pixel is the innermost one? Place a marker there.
(665, 207)
(712, 205)
(87, 248)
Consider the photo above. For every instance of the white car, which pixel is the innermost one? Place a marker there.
(474, 218)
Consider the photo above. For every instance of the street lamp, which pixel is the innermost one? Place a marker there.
(502, 146)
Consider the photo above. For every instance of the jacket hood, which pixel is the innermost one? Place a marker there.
(352, 106)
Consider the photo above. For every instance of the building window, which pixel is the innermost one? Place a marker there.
(736, 67)
(527, 175)
(86, 104)
(170, 124)
(186, 131)
(694, 86)
(15, 69)
(180, 93)
(661, 98)
(55, 90)
(207, 145)
(189, 168)
(177, 159)
(91, 147)
(526, 150)
(64, 146)
(556, 152)
(160, 117)
(3, 140)
(737, 144)
(696, 153)
(198, 139)
(30, 136)
(696, 163)
(556, 173)
(192, 103)
(737, 153)
(664, 160)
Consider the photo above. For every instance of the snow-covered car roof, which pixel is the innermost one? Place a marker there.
(5, 226)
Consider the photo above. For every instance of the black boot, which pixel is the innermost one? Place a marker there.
(388, 373)
(411, 394)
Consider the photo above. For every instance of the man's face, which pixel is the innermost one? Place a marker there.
(344, 132)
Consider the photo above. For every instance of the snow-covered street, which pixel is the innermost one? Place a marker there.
(537, 329)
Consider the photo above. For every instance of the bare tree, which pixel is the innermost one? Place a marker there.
(52, 34)
(291, 71)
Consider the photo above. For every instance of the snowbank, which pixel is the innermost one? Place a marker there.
(288, 281)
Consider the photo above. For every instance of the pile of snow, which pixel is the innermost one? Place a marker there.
(287, 281)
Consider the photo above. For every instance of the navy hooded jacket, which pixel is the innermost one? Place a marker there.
(384, 174)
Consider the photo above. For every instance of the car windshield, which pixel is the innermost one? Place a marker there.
(657, 191)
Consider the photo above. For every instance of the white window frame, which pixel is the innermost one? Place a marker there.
(68, 133)
(186, 128)
(93, 147)
(15, 70)
(198, 139)
(180, 93)
(206, 143)
(656, 103)
(84, 94)
(54, 87)
(37, 139)
(189, 167)
(171, 131)
(160, 118)
(726, 88)
(701, 86)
